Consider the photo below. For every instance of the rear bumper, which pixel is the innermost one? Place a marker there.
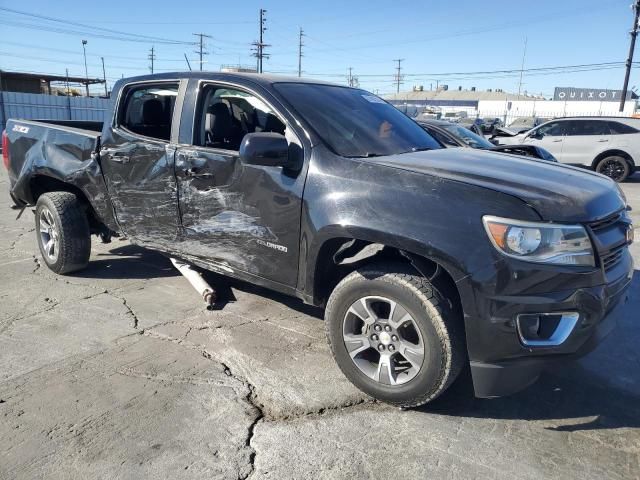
(501, 362)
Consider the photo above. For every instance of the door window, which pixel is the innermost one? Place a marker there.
(552, 129)
(226, 115)
(587, 127)
(148, 110)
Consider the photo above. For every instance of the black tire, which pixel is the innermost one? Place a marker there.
(73, 237)
(438, 319)
(615, 167)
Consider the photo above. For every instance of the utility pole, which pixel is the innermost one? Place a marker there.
(260, 45)
(187, 60)
(68, 90)
(634, 34)
(524, 53)
(201, 50)
(398, 70)
(300, 45)
(86, 72)
(104, 77)
(350, 77)
(152, 57)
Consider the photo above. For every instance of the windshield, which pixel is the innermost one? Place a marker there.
(356, 123)
(467, 136)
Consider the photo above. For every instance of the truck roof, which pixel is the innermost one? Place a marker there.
(264, 79)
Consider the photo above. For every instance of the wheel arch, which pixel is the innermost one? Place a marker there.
(40, 184)
(338, 256)
(613, 152)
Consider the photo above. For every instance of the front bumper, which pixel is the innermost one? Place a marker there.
(501, 364)
(510, 376)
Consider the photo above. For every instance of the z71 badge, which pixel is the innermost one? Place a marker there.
(20, 129)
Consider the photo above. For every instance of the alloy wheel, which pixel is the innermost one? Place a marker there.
(383, 340)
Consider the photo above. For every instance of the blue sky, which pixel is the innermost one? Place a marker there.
(433, 37)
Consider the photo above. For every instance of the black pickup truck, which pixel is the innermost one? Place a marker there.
(425, 258)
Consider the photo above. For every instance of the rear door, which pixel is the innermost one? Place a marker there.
(238, 218)
(584, 140)
(549, 136)
(137, 159)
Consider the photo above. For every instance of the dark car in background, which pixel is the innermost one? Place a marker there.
(455, 135)
(490, 124)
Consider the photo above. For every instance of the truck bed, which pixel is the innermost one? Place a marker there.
(63, 150)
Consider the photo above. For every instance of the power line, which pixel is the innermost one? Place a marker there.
(201, 50)
(89, 27)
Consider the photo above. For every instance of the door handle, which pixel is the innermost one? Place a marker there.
(196, 172)
(603, 140)
(120, 158)
(115, 155)
(556, 141)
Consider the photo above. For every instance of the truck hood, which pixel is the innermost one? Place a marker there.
(557, 192)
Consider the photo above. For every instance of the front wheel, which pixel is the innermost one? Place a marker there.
(615, 167)
(63, 232)
(394, 335)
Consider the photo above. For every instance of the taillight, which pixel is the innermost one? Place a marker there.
(5, 149)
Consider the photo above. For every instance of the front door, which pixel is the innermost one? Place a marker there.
(137, 160)
(549, 136)
(238, 218)
(584, 139)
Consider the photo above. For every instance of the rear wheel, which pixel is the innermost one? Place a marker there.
(615, 167)
(394, 335)
(63, 232)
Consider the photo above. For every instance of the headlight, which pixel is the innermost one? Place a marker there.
(540, 242)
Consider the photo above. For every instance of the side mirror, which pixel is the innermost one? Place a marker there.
(265, 148)
(537, 134)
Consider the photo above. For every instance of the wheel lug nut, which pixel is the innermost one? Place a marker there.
(374, 337)
(394, 338)
(377, 327)
(391, 348)
(387, 328)
(381, 347)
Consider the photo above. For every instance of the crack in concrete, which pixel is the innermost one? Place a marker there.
(130, 310)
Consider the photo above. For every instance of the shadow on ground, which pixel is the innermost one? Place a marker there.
(571, 392)
(128, 262)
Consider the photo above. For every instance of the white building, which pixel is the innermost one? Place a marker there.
(507, 106)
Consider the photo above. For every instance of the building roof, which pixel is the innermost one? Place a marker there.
(48, 78)
(467, 95)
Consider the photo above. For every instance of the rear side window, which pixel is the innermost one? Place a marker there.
(587, 127)
(148, 110)
(618, 128)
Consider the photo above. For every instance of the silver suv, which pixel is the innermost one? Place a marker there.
(609, 145)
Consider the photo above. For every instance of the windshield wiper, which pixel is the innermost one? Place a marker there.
(366, 155)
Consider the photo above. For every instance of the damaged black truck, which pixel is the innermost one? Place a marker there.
(426, 259)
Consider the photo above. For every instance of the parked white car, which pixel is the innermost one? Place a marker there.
(609, 145)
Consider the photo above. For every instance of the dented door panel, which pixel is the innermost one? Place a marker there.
(238, 217)
(139, 174)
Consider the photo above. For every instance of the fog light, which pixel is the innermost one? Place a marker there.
(545, 329)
